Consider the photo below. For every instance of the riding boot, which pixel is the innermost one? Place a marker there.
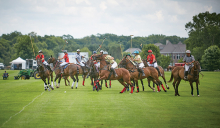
(114, 72)
(158, 71)
(185, 75)
(142, 71)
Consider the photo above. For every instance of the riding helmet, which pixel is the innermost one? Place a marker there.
(94, 52)
(136, 51)
(78, 50)
(102, 51)
(105, 52)
(188, 51)
(149, 51)
(40, 51)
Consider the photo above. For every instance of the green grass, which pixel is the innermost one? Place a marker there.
(83, 107)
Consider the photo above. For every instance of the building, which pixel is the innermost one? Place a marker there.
(131, 50)
(176, 51)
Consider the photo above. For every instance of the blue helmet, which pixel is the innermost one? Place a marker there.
(94, 52)
(136, 51)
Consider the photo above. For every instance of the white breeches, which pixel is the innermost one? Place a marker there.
(64, 63)
(45, 63)
(141, 65)
(186, 67)
(81, 64)
(152, 65)
(114, 65)
(98, 64)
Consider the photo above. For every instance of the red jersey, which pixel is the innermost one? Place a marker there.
(66, 58)
(40, 57)
(151, 58)
(93, 61)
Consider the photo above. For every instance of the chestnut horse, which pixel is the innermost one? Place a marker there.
(193, 76)
(45, 74)
(170, 68)
(71, 70)
(150, 73)
(161, 71)
(105, 74)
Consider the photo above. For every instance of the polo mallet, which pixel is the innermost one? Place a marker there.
(100, 45)
(64, 45)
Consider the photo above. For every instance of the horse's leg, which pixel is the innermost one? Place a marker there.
(136, 81)
(74, 80)
(77, 80)
(48, 78)
(59, 82)
(106, 85)
(150, 86)
(191, 84)
(197, 87)
(110, 83)
(68, 81)
(163, 86)
(142, 84)
(55, 80)
(177, 85)
(123, 83)
(91, 80)
(52, 81)
(165, 82)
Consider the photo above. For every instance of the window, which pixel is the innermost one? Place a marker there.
(173, 56)
(178, 56)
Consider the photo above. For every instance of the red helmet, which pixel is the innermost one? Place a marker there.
(149, 51)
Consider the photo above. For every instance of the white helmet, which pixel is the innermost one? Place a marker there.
(102, 51)
(188, 51)
(78, 50)
(105, 52)
(40, 51)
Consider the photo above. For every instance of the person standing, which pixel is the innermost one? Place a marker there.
(66, 61)
(152, 61)
(188, 60)
(41, 56)
(139, 62)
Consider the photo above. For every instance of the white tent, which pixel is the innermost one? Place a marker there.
(19, 61)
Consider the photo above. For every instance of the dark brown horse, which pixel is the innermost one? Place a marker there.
(161, 71)
(45, 74)
(72, 70)
(193, 76)
(105, 74)
(150, 73)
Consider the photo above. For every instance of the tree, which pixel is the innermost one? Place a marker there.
(165, 61)
(211, 58)
(5, 51)
(24, 49)
(85, 49)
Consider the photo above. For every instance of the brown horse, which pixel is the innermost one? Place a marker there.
(170, 68)
(161, 71)
(105, 74)
(45, 74)
(150, 73)
(193, 76)
(72, 70)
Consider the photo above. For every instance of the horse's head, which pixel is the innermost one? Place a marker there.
(126, 63)
(39, 64)
(98, 57)
(123, 62)
(51, 60)
(197, 66)
(145, 63)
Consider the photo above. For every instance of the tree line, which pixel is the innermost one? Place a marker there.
(204, 32)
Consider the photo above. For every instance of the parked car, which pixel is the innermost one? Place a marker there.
(2, 66)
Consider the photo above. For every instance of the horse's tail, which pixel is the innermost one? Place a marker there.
(171, 78)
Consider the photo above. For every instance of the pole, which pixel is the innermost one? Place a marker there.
(131, 43)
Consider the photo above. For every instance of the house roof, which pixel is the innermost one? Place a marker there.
(174, 48)
(132, 50)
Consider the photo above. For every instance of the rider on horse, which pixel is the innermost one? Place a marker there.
(188, 60)
(96, 63)
(66, 58)
(139, 62)
(110, 59)
(79, 60)
(41, 56)
(152, 61)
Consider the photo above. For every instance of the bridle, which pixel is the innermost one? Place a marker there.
(126, 63)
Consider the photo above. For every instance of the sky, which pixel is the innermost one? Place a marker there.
(81, 18)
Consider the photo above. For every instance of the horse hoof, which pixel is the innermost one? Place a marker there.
(168, 87)
(120, 92)
(52, 88)
(198, 95)
(45, 89)
(71, 87)
(76, 87)
(165, 90)
(192, 95)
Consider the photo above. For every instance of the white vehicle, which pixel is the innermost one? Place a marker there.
(2, 66)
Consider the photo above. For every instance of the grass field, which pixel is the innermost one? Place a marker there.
(24, 103)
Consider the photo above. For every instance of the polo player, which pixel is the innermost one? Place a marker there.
(188, 60)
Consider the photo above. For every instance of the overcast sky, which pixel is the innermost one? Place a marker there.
(81, 18)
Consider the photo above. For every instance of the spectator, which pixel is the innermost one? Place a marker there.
(5, 75)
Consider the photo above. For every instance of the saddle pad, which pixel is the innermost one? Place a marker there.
(65, 66)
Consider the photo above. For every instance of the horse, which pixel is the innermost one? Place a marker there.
(72, 70)
(193, 76)
(161, 71)
(123, 74)
(45, 74)
(170, 68)
(150, 73)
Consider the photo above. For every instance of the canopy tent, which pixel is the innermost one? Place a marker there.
(18, 63)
